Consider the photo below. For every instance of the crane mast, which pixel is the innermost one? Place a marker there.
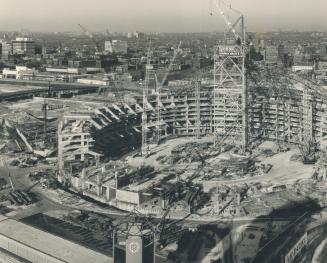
(90, 35)
(230, 89)
(148, 68)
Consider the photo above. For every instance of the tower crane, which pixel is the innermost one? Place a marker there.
(90, 35)
(236, 74)
(148, 68)
(231, 26)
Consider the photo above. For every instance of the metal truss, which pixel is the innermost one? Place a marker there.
(230, 91)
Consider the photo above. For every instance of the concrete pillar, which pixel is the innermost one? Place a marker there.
(98, 187)
(107, 193)
(83, 175)
(116, 180)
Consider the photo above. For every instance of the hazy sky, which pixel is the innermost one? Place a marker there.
(158, 15)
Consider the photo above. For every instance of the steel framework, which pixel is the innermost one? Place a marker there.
(148, 68)
(230, 90)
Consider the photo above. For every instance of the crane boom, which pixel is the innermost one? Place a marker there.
(230, 25)
(90, 35)
(170, 64)
(159, 86)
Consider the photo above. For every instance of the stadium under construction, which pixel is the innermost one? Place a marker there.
(240, 140)
(239, 102)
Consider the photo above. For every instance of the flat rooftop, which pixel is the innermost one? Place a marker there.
(47, 243)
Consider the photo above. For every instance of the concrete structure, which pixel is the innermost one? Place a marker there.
(136, 243)
(109, 125)
(23, 46)
(292, 116)
(22, 243)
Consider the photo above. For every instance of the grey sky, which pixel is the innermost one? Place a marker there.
(158, 15)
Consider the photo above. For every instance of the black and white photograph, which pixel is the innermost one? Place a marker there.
(163, 131)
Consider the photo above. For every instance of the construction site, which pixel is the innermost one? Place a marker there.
(193, 139)
(243, 139)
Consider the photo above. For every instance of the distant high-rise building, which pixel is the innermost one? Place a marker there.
(6, 50)
(281, 51)
(23, 46)
(271, 54)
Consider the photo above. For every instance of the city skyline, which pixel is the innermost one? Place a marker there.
(152, 16)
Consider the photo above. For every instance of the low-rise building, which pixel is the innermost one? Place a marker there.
(20, 72)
